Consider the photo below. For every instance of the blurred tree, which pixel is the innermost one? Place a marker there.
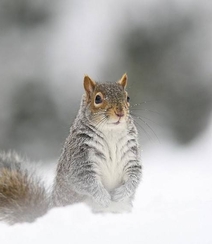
(35, 127)
(162, 59)
(24, 12)
(29, 118)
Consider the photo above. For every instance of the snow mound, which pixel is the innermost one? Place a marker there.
(173, 205)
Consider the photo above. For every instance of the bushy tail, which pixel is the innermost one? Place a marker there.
(23, 197)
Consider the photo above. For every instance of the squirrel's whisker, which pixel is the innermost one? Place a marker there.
(142, 119)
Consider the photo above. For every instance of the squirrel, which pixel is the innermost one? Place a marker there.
(99, 164)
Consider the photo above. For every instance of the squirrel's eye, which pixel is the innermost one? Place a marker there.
(128, 98)
(98, 99)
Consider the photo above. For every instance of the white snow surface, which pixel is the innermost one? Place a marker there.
(173, 205)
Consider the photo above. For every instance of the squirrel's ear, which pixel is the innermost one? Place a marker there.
(89, 85)
(123, 81)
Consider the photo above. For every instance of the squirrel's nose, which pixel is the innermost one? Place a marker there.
(119, 113)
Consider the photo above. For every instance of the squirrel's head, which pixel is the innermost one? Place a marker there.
(108, 103)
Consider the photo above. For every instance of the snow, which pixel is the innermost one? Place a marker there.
(173, 205)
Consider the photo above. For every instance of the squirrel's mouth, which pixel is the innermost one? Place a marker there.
(117, 118)
(118, 121)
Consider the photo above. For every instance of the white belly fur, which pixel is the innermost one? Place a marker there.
(112, 170)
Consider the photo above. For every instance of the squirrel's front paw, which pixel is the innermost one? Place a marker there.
(103, 198)
(119, 194)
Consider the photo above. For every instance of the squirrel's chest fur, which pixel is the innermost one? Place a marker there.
(110, 167)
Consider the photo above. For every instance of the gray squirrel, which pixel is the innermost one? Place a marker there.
(99, 163)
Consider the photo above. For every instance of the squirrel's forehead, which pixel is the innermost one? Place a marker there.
(110, 89)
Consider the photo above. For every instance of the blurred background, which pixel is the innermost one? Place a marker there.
(46, 47)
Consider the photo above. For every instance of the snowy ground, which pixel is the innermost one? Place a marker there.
(173, 205)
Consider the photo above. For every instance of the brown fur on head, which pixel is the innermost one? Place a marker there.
(107, 101)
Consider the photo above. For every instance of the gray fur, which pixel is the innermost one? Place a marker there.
(79, 176)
